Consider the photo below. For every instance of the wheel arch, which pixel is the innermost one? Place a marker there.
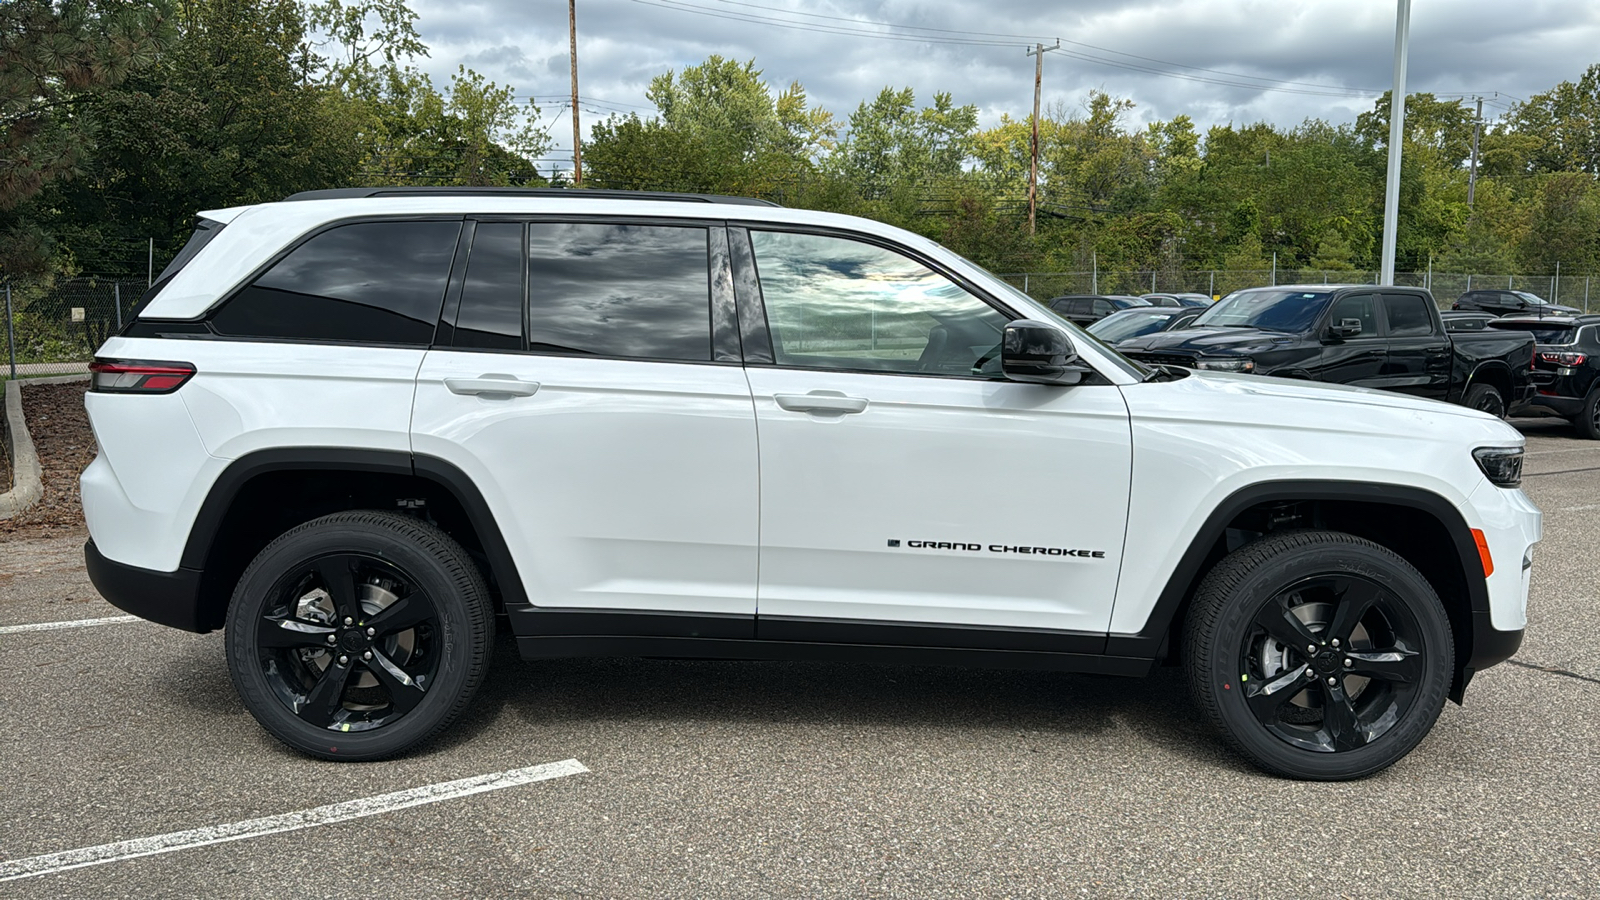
(1494, 373)
(1422, 527)
(234, 523)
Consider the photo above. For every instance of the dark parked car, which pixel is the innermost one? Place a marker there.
(1378, 337)
(1196, 300)
(1084, 309)
(1566, 369)
(1511, 303)
(1141, 320)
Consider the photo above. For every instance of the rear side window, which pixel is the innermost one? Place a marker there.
(631, 291)
(369, 282)
(1408, 315)
(204, 231)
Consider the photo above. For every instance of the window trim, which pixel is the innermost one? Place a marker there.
(753, 310)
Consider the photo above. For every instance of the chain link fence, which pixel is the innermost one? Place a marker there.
(54, 327)
(1579, 291)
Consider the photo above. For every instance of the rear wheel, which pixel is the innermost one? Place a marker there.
(1485, 398)
(1588, 421)
(359, 635)
(1319, 655)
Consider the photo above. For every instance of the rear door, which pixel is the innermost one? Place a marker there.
(1419, 357)
(590, 386)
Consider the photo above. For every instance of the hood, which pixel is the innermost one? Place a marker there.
(1210, 341)
(1263, 393)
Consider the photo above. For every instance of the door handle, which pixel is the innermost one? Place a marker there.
(505, 385)
(816, 401)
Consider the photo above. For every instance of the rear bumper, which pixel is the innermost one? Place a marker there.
(166, 598)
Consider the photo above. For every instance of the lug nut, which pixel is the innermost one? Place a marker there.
(367, 655)
(371, 632)
(332, 639)
(349, 621)
(1348, 663)
(345, 660)
(1336, 642)
(1311, 649)
(1332, 680)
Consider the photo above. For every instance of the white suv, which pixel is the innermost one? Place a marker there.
(358, 428)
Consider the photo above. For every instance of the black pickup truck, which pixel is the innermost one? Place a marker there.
(1376, 337)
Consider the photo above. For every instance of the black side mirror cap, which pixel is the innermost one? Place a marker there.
(1039, 353)
(1345, 328)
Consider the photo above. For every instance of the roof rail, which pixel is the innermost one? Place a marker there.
(583, 193)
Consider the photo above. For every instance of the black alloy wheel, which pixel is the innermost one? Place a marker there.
(1319, 655)
(1485, 398)
(1588, 421)
(359, 635)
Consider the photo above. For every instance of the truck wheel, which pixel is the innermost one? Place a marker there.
(1485, 398)
(1588, 421)
(359, 635)
(1318, 655)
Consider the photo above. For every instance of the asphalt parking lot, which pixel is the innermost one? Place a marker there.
(694, 779)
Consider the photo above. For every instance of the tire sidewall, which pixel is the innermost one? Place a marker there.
(1258, 588)
(264, 578)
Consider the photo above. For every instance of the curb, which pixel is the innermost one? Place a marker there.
(27, 475)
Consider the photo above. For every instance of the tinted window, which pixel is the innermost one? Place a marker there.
(372, 282)
(1128, 324)
(1543, 333)
(842, 304)
(1104, 307)
(639, 291)
(491, 296)
(1408, 315)
(1362, 307)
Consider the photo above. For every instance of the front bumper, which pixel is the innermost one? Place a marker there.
(166, 598)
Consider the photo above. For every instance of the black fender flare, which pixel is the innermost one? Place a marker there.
(219, 500)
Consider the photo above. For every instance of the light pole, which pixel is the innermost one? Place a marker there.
(1397, 130)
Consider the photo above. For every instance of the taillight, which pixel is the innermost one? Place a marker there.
(138, 376)
(1563, 359)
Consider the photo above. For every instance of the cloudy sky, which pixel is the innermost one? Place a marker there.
(1218, 61)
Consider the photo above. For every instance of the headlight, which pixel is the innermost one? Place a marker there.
(1501, 465)
(1227, 364)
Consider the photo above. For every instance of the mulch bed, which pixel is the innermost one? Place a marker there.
(66, 446)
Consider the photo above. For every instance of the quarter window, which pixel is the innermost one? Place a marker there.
(836, 303)
(370, 282)
(634, 291)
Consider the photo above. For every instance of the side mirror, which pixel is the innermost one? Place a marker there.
(1039, 354)
(1346, 328)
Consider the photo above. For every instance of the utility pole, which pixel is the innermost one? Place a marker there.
(1397, 132)
(1472, 173)
(1038, 52)
(572, 39)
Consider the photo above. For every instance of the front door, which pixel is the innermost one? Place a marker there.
(1356, 360)
(903, 482)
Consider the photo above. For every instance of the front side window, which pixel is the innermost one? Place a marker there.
(631, 291)
(836, 303)
(1360, 307)
(368, 282)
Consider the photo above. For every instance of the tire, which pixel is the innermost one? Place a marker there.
(1588, 421)
(1485, 398)
(1340, 609)
(420, 628)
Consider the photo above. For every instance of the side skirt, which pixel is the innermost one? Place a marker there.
(578, 646)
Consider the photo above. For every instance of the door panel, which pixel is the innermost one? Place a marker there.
(1358, 360)
(1419, 359)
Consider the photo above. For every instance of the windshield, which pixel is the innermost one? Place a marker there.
(1118, 327)
(1542, 333)
(1271, 310)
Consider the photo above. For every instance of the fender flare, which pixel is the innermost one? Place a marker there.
(219, 500)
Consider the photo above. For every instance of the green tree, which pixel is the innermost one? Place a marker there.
(55, 59)
(1563, 124)
(893, 144)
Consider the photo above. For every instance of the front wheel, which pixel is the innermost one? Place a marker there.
(359, 635)
(1319, 655)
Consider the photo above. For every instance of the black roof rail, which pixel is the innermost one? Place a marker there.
(584, 193)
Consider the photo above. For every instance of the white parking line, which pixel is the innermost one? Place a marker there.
(306, 818)
(73, 623)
